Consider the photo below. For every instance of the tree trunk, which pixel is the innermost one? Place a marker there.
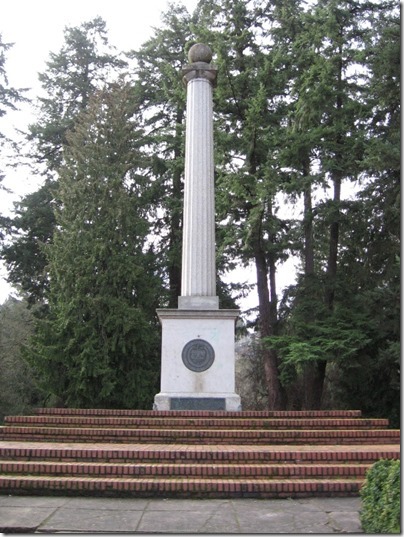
(316, 376)
(333, 246)
(308, 230)
(267, 306)
(332, 262)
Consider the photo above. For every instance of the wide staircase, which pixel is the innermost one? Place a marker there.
(205, 454)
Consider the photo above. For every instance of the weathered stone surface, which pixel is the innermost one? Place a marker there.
(200, 53)
(26, 514)
(22, 519)
(179, 328)
(198, 239)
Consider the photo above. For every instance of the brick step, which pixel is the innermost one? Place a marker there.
(213, 454)
(191, 453)
(198, 423)
(180, 487)
(199, 413)
(203, 436)
(298, 471)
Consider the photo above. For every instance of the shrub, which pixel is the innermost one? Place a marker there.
(381, 498)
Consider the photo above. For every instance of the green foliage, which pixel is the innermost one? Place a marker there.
(31, 230)
(342, 313)
(99, 346)
(380, 494)
(19, 391)
(332, 339)
(10, 98)
(161, 97)
(82, 66)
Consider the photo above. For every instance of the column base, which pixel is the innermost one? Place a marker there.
(198, 302)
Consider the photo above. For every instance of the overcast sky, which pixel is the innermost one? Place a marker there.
(36, 27)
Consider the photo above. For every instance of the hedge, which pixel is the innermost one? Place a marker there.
(380, 495)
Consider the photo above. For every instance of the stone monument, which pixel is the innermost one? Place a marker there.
(197, 358)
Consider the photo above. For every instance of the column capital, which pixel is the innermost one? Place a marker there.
(199, 70)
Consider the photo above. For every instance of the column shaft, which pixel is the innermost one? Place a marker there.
(198, 258)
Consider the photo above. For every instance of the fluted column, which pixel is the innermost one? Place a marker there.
(198, 289)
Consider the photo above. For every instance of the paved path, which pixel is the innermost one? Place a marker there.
(46, 514)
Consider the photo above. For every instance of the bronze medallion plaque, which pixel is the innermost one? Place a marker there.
(198, 355)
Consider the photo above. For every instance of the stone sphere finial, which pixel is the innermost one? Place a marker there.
(199, 53)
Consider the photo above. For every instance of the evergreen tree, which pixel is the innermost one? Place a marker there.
(30, 231)
(100, 345)
(249, 113)
(325, 145)
(10, 98)
(18, 389)
(370, 253)
(157, 81)
(83, 64)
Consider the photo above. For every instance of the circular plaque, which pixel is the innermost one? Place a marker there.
(198, 355)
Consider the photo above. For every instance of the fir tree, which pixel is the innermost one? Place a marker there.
(10, 98)
(84, 63)
(100, 345)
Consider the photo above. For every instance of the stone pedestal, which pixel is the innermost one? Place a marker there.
(197, 360)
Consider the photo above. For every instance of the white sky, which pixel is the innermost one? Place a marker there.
(36, 29)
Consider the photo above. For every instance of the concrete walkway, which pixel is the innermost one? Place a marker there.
(47, 514)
